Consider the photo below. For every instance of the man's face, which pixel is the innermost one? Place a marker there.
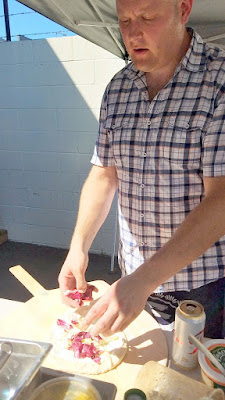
(152, 30)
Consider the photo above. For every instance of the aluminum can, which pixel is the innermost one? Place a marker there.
(189, 319)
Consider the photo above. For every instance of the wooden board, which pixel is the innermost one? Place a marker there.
(33, 321)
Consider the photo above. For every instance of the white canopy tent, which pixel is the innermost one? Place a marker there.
(96, 20)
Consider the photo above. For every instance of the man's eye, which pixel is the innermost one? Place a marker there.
(147, 19)
(124, 21)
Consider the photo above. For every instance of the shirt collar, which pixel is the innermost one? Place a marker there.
(194, 59)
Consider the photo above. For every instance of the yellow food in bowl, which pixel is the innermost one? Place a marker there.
(65, 388)
(78, 395)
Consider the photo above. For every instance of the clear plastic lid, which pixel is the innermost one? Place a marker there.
(217, 348)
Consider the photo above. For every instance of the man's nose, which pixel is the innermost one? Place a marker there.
(135, 31)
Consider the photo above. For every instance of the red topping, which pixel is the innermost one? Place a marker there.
(82, 350)
(63, 323)
(87, 296)
(97, 360)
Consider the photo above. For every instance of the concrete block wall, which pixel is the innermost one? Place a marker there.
(50, 95)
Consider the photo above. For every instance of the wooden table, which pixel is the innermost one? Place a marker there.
(32, 320)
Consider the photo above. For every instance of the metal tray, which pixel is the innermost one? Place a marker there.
(20, 360)
(21, 371)
(107, 390)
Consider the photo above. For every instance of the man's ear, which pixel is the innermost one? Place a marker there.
(186, 7)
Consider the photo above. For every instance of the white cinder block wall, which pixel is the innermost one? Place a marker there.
(50, 94)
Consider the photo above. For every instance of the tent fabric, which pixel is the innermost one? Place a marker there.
(96, 20)
(76, 15)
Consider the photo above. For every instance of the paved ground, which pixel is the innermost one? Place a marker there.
(44, 264)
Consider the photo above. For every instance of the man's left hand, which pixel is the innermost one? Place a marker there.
(118, 307)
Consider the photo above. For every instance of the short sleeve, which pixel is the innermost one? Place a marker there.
(103, 154)
(214, 143)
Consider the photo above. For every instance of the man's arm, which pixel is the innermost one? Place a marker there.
(95, 202)
(200, 230)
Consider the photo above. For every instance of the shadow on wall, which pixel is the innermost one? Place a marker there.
(49, 106)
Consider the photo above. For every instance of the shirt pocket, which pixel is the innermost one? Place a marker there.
(122, 136)
(182, 143)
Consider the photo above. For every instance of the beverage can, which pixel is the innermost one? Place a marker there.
(189, 319)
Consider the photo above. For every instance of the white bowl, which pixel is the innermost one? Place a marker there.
(66, 388)
(210, 374)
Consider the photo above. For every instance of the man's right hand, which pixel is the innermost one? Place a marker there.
(72, 276)
(94, 207)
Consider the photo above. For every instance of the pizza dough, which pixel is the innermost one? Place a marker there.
(109, 351)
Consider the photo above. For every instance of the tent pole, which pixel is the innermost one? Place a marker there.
(109, 30)
(6, 14)
(98, 24)
(63, 12)
(212, 38)
(114, 240)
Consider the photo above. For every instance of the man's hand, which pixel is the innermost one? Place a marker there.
(118, 307)
(72, 276)
(95, 202)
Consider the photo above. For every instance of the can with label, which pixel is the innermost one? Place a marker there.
(189, 319)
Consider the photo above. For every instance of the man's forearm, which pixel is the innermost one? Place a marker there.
(95, 202)
(198, 232)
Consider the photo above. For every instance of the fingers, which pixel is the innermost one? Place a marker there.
(72, 277)
(66, 281)
(81, 284)
(66, 284)
(119, 324)
(96, 311)
(103, 325)
(109, 318)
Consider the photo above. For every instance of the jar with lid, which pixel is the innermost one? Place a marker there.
(134, 394)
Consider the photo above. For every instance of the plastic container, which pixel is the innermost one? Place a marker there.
(65, 388)
(210, 374)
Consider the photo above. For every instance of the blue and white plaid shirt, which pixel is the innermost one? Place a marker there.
(162, 150)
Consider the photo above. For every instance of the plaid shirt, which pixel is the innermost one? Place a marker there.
(162, 150)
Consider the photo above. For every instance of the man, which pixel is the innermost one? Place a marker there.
(161, 144)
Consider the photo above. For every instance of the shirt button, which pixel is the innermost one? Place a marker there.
(144, 154)
(142, 215)
(142, 185)
(142, 243)
(187, 125)
(149, 121)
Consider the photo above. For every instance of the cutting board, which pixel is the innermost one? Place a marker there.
(35, 318)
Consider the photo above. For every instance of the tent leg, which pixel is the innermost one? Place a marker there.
(113, 246)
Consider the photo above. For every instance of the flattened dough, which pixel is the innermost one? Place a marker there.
(113, 349)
